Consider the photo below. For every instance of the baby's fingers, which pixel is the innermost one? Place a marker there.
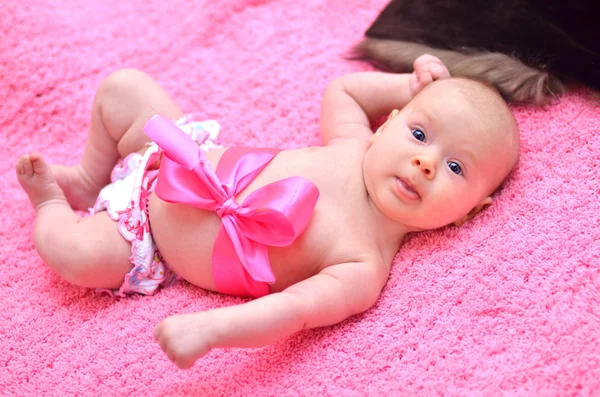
(425, 78)
(184, 362)
(413, 84)
(162, 341)
(438, 71)
(417, 81)
(433, 65)
(425, 59)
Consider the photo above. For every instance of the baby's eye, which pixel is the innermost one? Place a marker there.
(455, 167)
(419, 135)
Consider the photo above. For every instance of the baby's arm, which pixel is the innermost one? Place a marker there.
(352, 101)
(327, 298)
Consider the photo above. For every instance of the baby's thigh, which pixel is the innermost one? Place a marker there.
(127, 99)
(94, 253)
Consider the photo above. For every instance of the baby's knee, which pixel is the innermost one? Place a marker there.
(121, 82)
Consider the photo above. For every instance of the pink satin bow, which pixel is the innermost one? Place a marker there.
(273, 215)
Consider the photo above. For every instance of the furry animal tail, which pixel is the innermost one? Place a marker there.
(516, 81)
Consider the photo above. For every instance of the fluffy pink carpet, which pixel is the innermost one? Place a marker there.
(507, 305)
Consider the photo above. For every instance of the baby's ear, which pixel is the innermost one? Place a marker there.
(382, 126)
(486, 202)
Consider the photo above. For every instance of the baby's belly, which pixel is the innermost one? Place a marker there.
(185, 237)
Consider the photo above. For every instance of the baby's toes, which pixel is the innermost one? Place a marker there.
(33, 169)
(24, 167)
(39, 164)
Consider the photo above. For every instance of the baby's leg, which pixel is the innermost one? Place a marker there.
(124, 101)
(88, 252)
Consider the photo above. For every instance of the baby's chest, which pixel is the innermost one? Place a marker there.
(336, 234)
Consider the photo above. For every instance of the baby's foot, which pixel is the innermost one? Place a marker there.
(79, 188)
(36, 178)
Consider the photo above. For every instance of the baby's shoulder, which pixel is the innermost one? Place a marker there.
(347, 150)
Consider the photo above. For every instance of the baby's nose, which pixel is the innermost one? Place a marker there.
(425, 164)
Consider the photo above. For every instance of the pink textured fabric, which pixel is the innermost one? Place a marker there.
(273, 215)
(506, 305)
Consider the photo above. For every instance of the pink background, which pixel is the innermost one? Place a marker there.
(507, 304)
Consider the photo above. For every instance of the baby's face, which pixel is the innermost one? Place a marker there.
(439, 158)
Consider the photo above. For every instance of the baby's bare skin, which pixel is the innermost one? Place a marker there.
(374, 188)
(185, 235)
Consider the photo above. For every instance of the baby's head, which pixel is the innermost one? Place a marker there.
(439, 159)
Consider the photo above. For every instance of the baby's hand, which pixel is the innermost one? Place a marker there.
(427, 69)
(184, 338)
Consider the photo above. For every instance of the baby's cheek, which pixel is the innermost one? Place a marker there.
(450, 209)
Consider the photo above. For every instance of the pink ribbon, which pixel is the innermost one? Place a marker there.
(273, 215)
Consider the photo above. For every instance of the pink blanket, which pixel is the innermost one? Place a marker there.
(508, 304)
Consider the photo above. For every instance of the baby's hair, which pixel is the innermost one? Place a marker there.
(483, 93)
(507, 119)
(483, 96)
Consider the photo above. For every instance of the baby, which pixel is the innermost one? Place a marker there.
(311, 233)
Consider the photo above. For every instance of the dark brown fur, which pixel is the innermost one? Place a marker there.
(526, 48)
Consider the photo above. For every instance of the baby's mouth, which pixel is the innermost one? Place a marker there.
(407, 189)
